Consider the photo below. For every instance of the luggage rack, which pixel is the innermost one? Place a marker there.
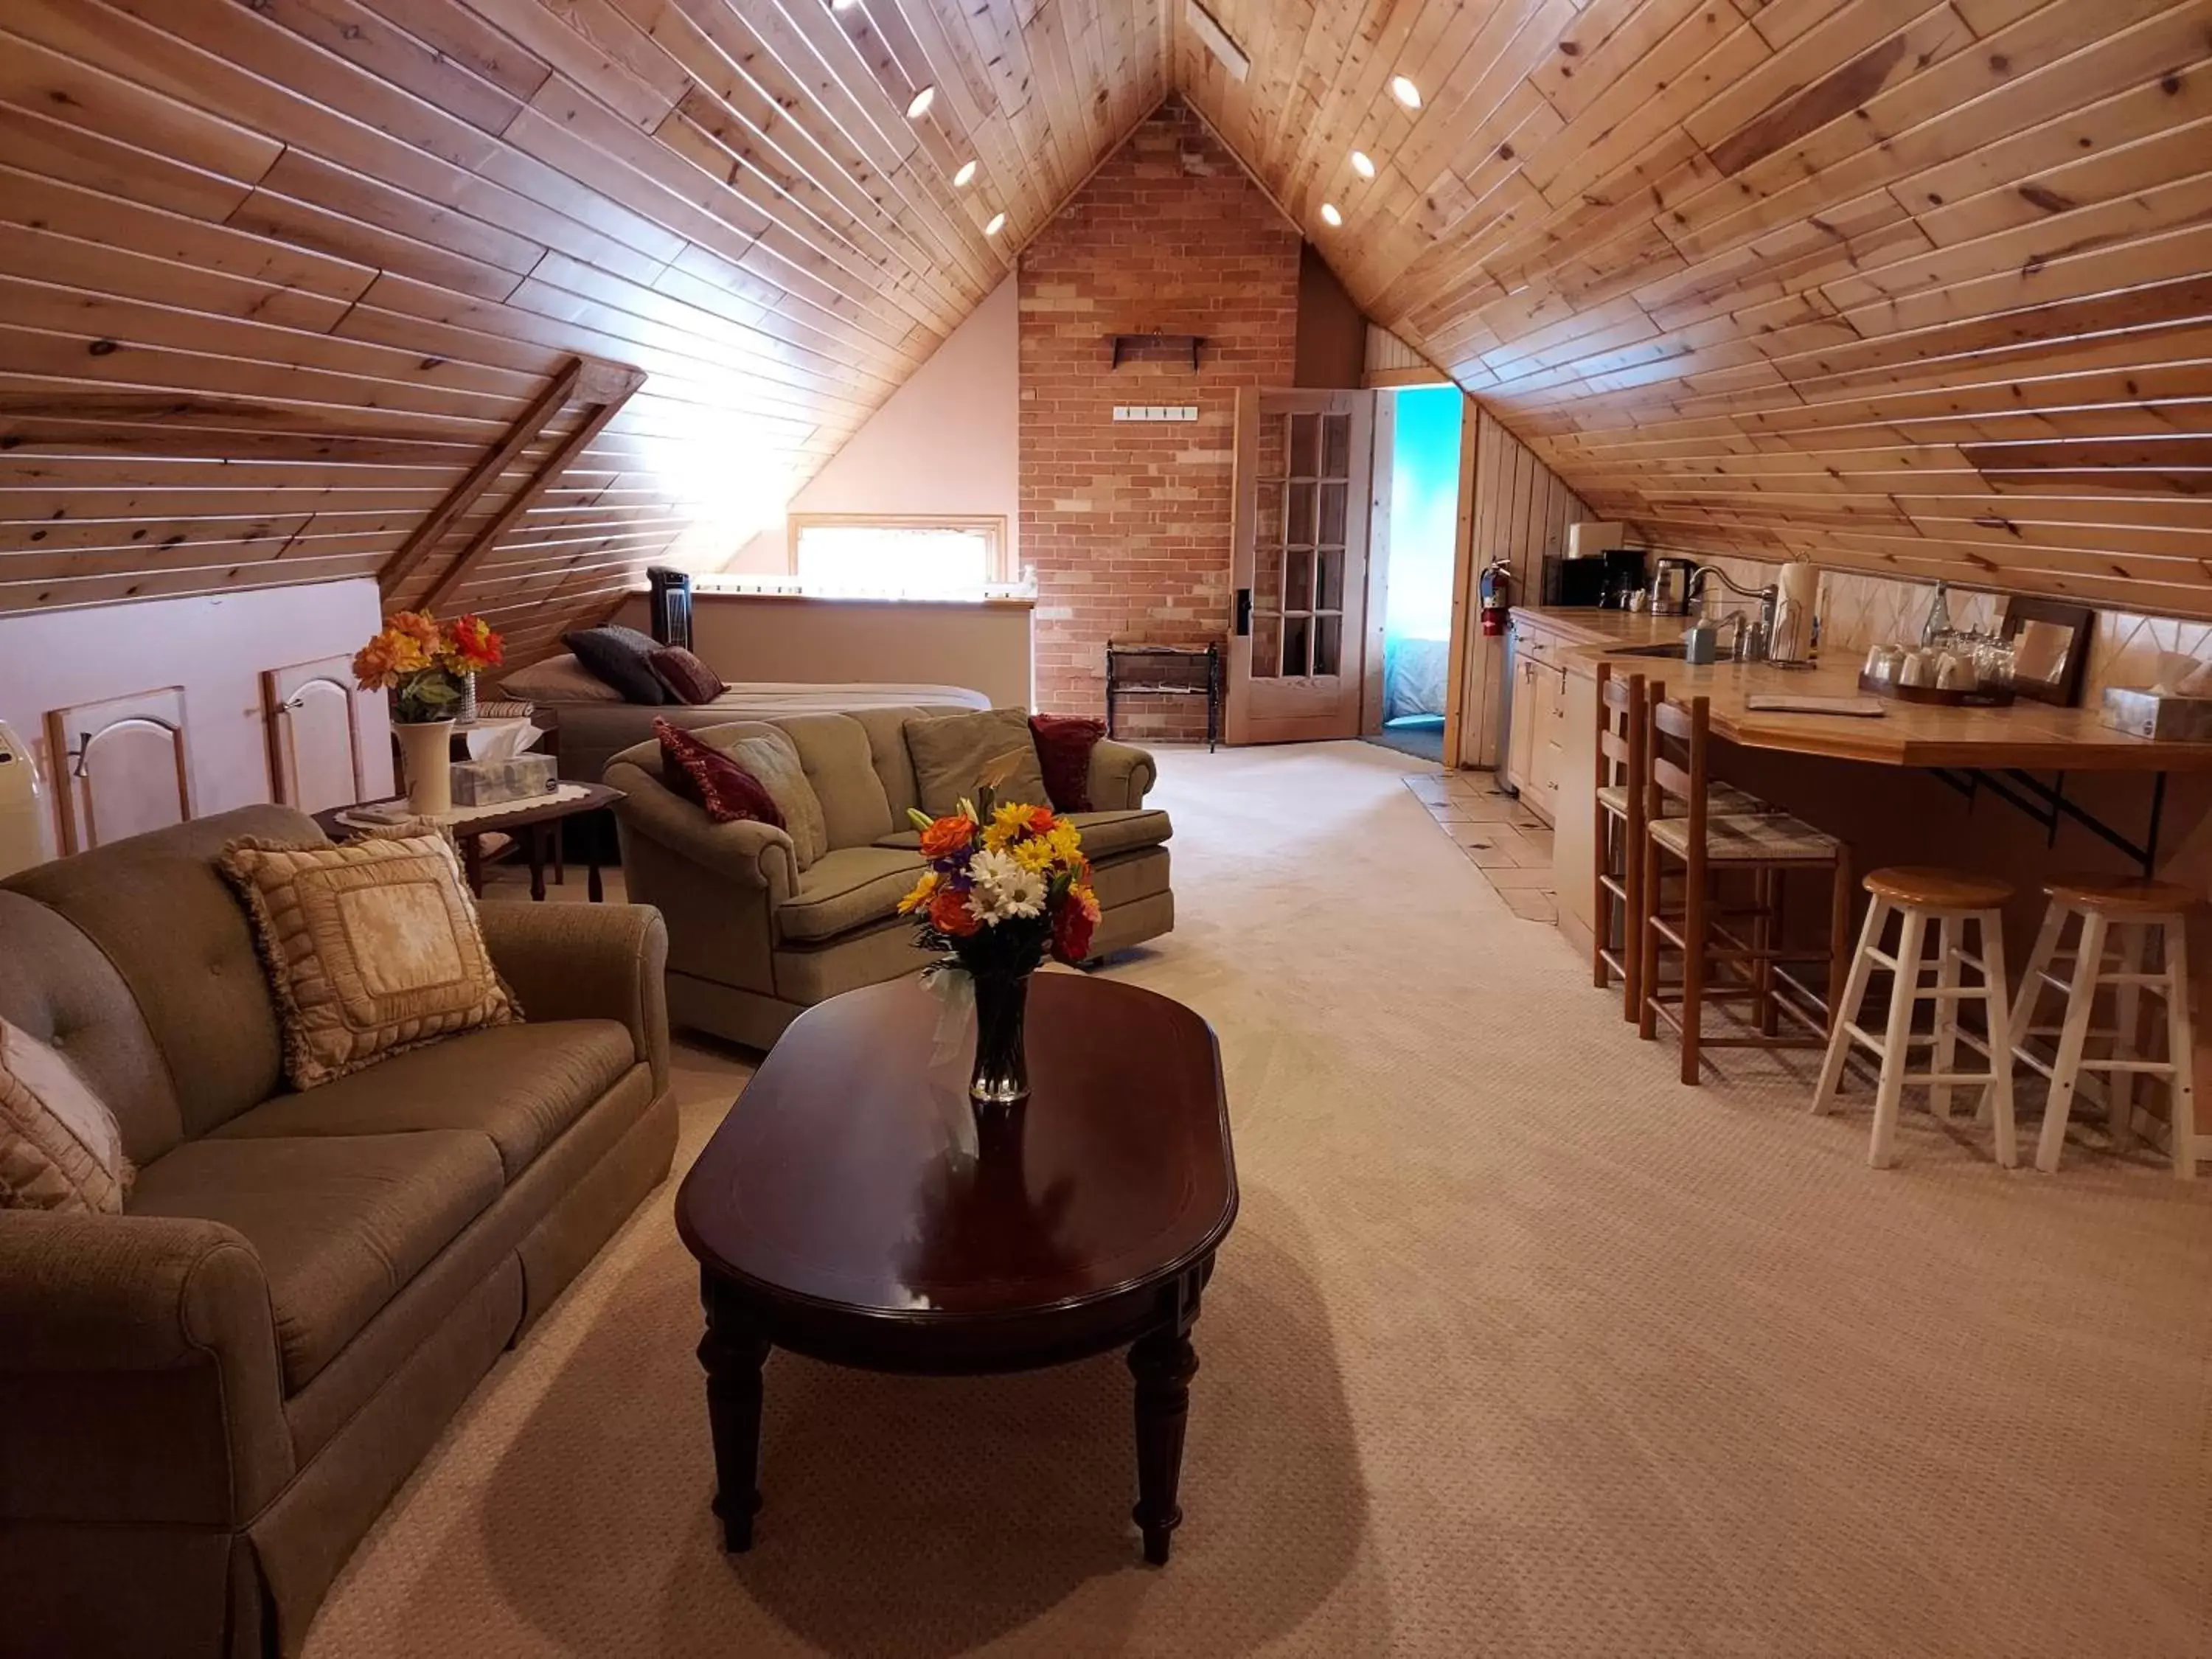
(1171, 671)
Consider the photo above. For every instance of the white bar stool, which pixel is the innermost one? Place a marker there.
(1952, 900)
(2126, 912)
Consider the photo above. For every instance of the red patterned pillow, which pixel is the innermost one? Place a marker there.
(1064, 742)
(705, 776)
(684, 674)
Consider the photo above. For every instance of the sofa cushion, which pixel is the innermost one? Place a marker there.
(60, 1148)
(372, 948)
(772, 758)
(340, 1223)
(835, 751)
(708, 778)
(155, 905)
(1108, 835)
(517, 1086)
(951, 751)
(847, 889)
(1064, 742)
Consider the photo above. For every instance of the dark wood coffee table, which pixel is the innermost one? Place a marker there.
(830, 1216)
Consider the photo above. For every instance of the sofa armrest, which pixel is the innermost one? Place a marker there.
(1120, 775)
(749, 854)
(588, 962)
(139, 1372)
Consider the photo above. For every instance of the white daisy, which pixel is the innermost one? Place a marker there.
(1004, 891)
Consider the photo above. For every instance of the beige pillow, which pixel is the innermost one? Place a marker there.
(371, 948)
(59, 1145)
(773, 762)
(950, 752)
(558, 679)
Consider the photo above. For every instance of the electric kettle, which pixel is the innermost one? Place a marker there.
(1670, 587)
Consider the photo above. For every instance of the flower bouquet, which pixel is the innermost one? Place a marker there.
(429, 667)
(1006, 886)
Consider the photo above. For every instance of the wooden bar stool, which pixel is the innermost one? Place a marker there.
(1682, 826)
(2126, 912)
(1918, 895)
(1623, 701)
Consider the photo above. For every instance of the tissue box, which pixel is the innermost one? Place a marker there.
(2158, 715)
(495, 782)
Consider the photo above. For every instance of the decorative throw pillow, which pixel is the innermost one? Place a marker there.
(1064, 742)
(558, 679)
(707, 777)
(621, 657)
(372, 948)
(951, 751)
(774, 762)
(688, 678)
(59, 1145)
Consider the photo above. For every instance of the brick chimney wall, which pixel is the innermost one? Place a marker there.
(1128, 524)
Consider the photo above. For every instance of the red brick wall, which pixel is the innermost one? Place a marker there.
(1128, 524)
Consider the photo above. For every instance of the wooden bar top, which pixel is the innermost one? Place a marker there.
(2032, 736)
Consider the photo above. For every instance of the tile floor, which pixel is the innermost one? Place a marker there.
(1502, 838)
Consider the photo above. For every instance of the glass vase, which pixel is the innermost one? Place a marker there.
(1001, 1076)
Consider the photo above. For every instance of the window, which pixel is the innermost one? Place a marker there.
(919, 557)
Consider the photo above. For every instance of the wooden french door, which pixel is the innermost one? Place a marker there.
(1297, 650)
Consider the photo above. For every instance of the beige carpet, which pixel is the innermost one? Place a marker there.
(1519, 1348)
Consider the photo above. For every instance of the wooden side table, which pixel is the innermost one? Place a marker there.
(535, 823)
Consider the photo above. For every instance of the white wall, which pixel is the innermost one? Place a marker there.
(945, 442)
(216, 647)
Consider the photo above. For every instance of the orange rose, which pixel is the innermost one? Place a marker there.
(1042, 820)
(475, 646)
(947, 836)
(949, 912)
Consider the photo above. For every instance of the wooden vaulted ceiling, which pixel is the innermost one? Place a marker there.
(1918, 287)
(275, 273)
(1910, 287)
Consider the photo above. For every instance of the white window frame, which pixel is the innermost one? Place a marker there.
(992, 526)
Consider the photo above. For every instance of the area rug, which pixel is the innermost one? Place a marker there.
(1519, 1348)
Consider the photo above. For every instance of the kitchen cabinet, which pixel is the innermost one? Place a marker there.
(1534, 738)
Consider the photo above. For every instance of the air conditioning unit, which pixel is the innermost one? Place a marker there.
(26, 830)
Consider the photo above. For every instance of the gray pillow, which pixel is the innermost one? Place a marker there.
(622, 658)
(773, 763)
(950, 752)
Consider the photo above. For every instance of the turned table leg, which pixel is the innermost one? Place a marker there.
(732, 1352)
(1163, 1362)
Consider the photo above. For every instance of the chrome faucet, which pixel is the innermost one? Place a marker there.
(1754, 643)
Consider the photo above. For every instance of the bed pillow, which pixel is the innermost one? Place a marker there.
(951, 751)
(60, 1148)
(372, 948)
(1064, 742)
(688, 679)
(709, 778)
(621, 657)
(558, 679)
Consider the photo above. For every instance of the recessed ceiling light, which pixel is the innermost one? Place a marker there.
(920, 105)
(997, 223)
(1329, 215)
(965, 176)
(1405, 91)
(1362, 165)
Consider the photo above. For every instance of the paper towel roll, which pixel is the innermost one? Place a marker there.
(1793, 623)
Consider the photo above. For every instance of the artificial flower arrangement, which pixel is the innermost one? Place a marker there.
(425, 663)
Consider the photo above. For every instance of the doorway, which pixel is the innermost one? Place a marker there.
(1417, 439)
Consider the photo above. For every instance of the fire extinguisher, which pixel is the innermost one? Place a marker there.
(1496, 596)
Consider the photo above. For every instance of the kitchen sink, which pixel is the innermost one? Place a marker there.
(1723, 654)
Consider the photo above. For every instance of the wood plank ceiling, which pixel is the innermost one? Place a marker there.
(1909, 287)
(1916, 288)
(274, 274)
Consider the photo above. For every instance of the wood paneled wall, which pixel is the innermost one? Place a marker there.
(275, 273)
(1517, 509)
(1905, 286)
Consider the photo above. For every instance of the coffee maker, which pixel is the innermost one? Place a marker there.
(1601, 580)
(1670, 587)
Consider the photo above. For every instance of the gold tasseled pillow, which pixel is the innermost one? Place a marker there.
(371, 947)
(59, 1145)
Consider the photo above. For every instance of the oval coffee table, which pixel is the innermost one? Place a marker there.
(831, 1216)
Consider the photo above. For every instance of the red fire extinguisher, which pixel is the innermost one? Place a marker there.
(1496, 596)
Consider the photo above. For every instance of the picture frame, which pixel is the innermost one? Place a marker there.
(2050, 642)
